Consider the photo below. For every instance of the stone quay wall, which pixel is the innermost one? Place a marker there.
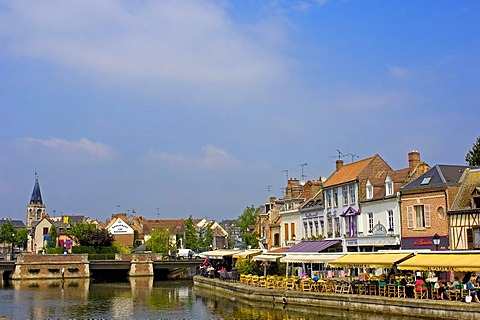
(422, 309)
(49, 266)
(141, 264)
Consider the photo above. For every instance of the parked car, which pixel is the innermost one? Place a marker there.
(186, 254)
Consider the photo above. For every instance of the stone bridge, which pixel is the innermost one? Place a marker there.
(50, 266)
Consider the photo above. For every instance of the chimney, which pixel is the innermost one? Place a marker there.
(413, 159)
(339, 164)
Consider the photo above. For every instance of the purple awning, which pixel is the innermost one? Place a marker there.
(312, 246)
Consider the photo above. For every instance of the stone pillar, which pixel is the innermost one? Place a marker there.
(141, 265)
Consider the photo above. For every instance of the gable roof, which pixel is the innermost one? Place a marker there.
(438, 176)
(348, 172)
(470, 183)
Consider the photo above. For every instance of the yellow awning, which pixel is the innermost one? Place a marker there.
(369, 260)
(442, 262)
(312, 258)
(247, 253)
(268, 257)
(218, 254)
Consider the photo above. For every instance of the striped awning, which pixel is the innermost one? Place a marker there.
(311, 258)
(369, 260)
(442, 262)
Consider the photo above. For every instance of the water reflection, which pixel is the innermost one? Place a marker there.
(142, 298)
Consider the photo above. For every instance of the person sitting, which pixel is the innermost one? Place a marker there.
(420, 284)
(471, 288)
(441, 291)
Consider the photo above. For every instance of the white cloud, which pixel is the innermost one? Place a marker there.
(399, 72)
(188, 42)
(210, 158)
(83, 148)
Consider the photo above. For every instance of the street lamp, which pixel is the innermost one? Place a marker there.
(436, 240)
(13, 239)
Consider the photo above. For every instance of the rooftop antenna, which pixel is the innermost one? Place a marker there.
(303, 176)
(269, 187)
(286, 173)
(158, 213)
(353, 156)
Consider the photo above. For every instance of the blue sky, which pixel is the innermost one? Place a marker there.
(195, 107)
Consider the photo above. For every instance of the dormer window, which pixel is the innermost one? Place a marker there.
(369, 190)
(388, 186)
(426, 181)
(476, 198)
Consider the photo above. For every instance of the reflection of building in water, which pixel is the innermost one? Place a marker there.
(122, 307)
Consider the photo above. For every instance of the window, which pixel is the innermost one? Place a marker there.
(418, 216)
(370, 222)
(426, 180)
(369, 188)
(322, 227)
(292, 229)
(441, 213)
(330, 227)
(388, 186)
(352, 193)
(345, 195)
(311, 228)
(39, 214)
(329, 199)
(335, 197)
(286, 231)
(391, 225)
(337, 227)
(276, 239)
(316, 228)
(305, 227)
(45, 231)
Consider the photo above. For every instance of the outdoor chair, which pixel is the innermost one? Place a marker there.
(347, 288)
(338, 287)
(401, 291)
(254, 281)
(421, 291)
(290, 283)
(391, 292)
(262, 282)
(361, 288)
(271, 282)
(382, 288)
(372, 289)
(306, 285)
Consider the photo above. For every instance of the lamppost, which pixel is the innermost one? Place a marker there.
(436, 240)
(13, 239)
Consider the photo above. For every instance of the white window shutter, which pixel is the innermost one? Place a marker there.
(410, 217)
(426, 211)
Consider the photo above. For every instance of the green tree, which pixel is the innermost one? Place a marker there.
(207, 239)
(160, 242)
(53, 237)
(7, 233)
(21, 238)
(245, 220)
(191, 235)
(88, 235)
(473, 155)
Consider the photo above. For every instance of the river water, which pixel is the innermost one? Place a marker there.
(142, 298)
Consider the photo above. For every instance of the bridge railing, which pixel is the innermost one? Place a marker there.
(99, 256)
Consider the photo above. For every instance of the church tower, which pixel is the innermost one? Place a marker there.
(36, 208)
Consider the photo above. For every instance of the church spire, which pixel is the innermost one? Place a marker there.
(36, 194)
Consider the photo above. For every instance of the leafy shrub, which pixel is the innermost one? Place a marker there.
(246, 266)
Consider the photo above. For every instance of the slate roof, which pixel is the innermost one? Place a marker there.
(312, 246)
(36, 197)
(316, 200)
(348, 172)
(438, 176)
(469, 184)
(17, 224)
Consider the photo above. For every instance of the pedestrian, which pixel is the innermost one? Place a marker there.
(63, 273)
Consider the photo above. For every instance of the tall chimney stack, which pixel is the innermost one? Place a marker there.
(338, 164)
(413, 159)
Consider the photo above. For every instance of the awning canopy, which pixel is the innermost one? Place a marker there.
(247, 253)
(312, 258)
(442, 262)
(369, 260)
(312, 246)
(218, 254)
(268, 257)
